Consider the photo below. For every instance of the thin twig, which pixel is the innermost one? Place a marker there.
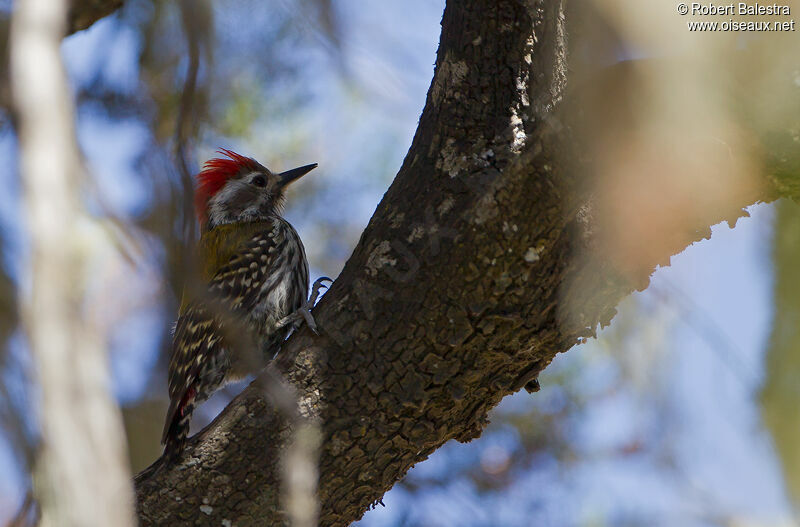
(28, 513)
(185, 109)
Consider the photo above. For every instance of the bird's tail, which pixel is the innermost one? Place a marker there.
(175, 439)
(177, 428)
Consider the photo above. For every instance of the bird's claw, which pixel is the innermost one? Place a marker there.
(318, 283)
(304, 311)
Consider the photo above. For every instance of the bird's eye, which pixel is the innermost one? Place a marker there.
(259, 181)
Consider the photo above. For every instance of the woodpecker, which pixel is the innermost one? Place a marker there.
(257, 281)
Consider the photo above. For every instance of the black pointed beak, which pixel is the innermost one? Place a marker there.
(295, 173)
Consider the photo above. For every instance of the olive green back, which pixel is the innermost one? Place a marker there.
(219, 245)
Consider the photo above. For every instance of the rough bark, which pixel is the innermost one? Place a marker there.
(464, 285)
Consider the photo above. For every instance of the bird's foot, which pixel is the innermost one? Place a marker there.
(303, 313)
(305, 310)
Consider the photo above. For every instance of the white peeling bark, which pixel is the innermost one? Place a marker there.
(82, 476)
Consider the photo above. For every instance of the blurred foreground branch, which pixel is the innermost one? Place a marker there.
(499, 244)
(81, 475)
(779, 394)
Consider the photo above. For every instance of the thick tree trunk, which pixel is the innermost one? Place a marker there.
(472, 274)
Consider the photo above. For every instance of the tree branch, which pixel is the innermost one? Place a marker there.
(84, 13)
(478, 266)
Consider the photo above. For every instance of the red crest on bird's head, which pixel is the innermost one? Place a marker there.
(216, 172)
